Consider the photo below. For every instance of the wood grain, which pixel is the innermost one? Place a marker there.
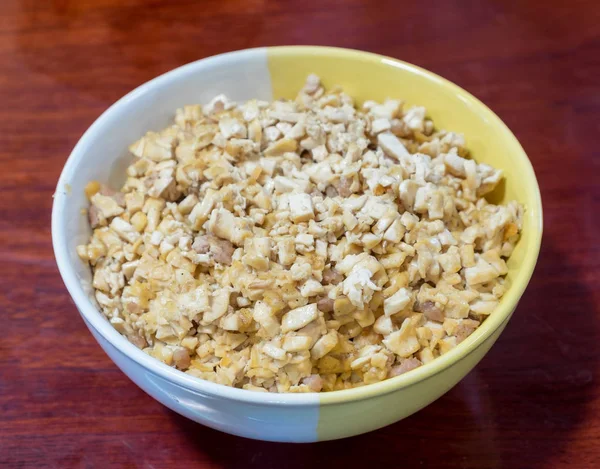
(534, 401)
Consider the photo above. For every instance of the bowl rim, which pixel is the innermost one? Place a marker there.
(94, 319)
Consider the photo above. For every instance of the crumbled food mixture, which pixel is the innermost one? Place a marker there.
(298, 246)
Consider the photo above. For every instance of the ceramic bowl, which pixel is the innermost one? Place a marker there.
(271, 73)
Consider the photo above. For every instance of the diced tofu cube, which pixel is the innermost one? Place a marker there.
(383, 325)
(324, 345)
(230, 127)
(397, 302)
(301, 208)
(403, 342)
(296, 343)
(392, 146)
(299, 317)
(482, 272)
(380, 125)
(263, 315)
(107, 206)
(124, 230)
(311, 288)
(218, 306)
(274, 352)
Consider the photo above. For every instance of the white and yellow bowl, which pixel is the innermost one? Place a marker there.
(271, 73)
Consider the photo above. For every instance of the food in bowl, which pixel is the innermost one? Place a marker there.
(300, 246)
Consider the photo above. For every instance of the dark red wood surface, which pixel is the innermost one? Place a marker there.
(533, 402)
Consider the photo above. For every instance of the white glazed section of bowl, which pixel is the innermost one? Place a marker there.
(240, 75)
(101, 154)
(292, 424)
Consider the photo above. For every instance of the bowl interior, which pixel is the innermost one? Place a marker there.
(279, 72)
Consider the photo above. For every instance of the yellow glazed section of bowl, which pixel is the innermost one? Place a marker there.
(370, 76)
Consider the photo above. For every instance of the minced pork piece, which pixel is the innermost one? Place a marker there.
(300, 246)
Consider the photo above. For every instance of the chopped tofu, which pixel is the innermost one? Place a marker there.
(106, 206)
(297, 343)
(230, 128)
(324, 345)
(403, 342)
(397, 302)
(299, 317)
(263, 315)
(392, 146)
(482, 272)
(311, 288)
(301, 208)
(299, 245)
(380, 125)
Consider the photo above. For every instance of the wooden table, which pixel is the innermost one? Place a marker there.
(534, 401)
